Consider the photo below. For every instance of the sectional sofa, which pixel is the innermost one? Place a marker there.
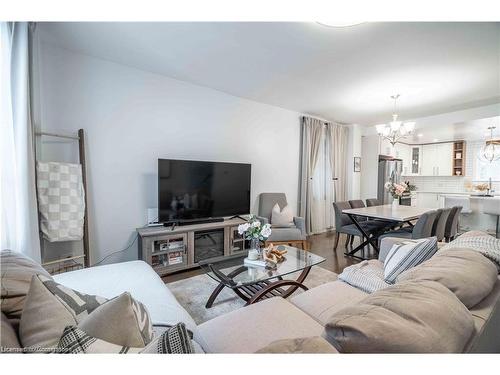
(427, 312)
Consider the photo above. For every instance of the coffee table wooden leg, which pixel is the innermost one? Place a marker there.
(214, 295)
(292, 284)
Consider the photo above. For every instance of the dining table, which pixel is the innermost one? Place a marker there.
(393, 215)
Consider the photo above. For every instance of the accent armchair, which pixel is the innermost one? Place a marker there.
(294, 234)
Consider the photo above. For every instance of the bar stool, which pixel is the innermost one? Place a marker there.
(492, 207)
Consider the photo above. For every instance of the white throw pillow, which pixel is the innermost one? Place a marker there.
(282, 217)
(407, 254)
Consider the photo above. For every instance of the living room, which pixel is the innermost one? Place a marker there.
(250, 187)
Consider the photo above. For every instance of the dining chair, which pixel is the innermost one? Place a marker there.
(492, 207)
(439, 225)
(451, 228)
(421, 229)
(372, 202)
(344, 225)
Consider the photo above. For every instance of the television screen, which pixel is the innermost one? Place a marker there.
(189, 190)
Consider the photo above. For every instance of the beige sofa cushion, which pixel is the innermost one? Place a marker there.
(251, 328)
(121, 320)
(465, 272)
(49, 308)
(482, 314)
(409, 317)
(8, 335)
(16, 272)
(323, 301)
(306, 345)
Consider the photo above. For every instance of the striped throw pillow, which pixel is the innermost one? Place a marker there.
(407, 254)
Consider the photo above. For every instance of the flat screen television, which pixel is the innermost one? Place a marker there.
(191, 190)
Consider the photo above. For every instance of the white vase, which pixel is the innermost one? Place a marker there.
(395, 202)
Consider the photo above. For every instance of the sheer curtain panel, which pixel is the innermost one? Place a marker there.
(311, 135)
(18, 206)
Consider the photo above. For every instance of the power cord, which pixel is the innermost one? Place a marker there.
(118, 251)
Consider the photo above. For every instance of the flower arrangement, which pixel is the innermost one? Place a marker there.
(254, 230)
(397, 189)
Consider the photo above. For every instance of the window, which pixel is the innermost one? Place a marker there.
(483, 171)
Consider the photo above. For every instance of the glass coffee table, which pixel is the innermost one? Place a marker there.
(253, 283)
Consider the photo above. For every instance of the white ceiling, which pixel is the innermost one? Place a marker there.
(343, 74)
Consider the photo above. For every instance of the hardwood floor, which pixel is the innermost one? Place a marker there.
(321, 244)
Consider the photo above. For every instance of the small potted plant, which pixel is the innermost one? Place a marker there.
(254, 231)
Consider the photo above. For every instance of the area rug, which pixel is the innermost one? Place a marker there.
(193, 293)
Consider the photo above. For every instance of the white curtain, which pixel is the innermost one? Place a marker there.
(311, 134)
(337, 138)
(18, 206)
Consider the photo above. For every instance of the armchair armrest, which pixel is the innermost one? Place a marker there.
(300, 223)
(386, 244)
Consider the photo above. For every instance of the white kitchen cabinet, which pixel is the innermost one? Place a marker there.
(428, 160)
(427, 200)
(402, 151)
(437, 159)
(415, 161)
(444, 159)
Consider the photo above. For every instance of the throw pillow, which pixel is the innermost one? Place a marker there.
(408, 317)
(16, 273)
(465, 272)
(49, 308)
(175, 340)
(407, 254)
(367, 276)
(281, 217)
(121, 320)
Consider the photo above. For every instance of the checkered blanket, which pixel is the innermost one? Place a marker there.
(60, 201)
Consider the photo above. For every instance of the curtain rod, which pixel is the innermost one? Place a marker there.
(58, 135)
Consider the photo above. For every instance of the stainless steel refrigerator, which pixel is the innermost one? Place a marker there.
(389, 170)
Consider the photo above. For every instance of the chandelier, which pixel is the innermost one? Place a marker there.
(395, 130)
(490, 152)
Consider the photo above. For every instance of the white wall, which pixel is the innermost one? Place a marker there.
(354, 149)
(132, 118)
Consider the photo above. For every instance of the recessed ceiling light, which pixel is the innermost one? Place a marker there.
(435, 140)
(420, 135)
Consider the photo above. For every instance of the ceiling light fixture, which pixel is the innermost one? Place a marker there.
(490, 152)
(395, 130)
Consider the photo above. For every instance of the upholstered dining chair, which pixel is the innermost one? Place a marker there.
(493, 208)
(370, 202)
(293, 234)
(344, 225)
(439, 225)
(451, 229)
(421, 229)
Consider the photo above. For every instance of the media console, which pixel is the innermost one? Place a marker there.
(177, 248)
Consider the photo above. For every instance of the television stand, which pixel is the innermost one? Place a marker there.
(181, 247)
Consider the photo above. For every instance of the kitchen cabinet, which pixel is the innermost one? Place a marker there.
(415, 160)
(402, 151)
(437, 159)
(427, 200)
